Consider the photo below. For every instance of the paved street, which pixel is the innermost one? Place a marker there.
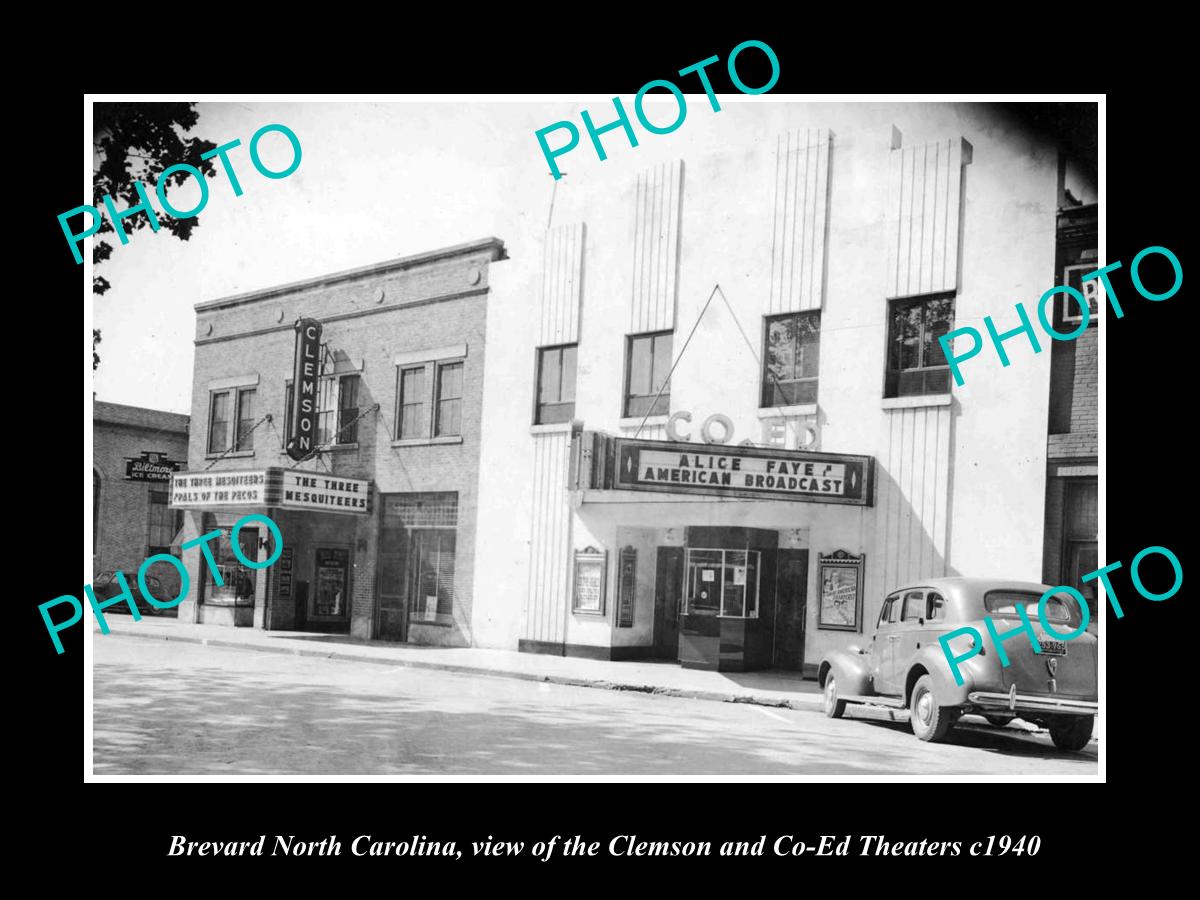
(167, 707)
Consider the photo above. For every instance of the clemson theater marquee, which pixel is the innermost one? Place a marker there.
(270, 487)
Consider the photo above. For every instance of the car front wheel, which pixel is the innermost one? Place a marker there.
(929, 721)
(834, 708)
(1071, 732)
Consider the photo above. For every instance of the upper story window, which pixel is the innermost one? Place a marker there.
(448, 402)
(430, 389)
(556, 384)
(647, 364)
(244, 439)
(790, 359)
(413, 421)
(915, 362)
(337, 409)
(231, 420)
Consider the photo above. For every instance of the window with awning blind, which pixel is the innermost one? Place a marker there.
(432, 554)
(164, 522)
(916, 363)
(556, 384)
(337, 409)
(647, 365)
(790, 359)
(231, 420)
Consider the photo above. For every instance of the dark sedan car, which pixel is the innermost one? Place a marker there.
(106, 586)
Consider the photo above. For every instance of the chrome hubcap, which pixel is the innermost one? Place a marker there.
(925, 709)
(829, 693)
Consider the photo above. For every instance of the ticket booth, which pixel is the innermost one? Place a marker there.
(726, 597)
(728, 616)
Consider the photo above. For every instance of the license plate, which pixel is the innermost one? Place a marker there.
(1053, 648)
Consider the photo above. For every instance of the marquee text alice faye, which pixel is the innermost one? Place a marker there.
(621, 845)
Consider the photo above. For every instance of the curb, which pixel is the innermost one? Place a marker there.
(569, 680)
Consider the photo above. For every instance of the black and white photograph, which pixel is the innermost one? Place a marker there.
(684, 435)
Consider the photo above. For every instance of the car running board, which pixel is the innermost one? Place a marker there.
(893, 702)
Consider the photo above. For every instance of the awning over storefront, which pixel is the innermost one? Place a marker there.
(601, 462)
(271, 487)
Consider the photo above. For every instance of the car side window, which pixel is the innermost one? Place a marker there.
(914, 606)
(935, 607)
(887, 613)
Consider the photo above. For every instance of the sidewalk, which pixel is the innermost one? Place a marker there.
(770, 688)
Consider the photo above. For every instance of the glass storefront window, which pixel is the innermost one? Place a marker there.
(432, 596)
(330, 598)
(238, 587)
(722, 582)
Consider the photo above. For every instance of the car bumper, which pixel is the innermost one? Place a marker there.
(1042, 703)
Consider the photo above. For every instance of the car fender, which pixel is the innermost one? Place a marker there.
(851, 669)
(932, 661)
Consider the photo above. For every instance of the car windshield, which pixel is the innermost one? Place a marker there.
(1060, 608)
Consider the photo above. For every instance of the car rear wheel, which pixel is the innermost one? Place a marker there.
(834, 708)
(1071, 732)
(929, 721)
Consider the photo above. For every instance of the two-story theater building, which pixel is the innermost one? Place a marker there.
(378, 523)
(725, 421)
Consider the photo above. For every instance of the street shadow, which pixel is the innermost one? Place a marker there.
(773, 680)
(1006, 741)
(157, 719)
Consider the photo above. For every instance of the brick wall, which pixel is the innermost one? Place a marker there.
(1085, 386)
(1064, 446)
(368, 320)
(123, 518)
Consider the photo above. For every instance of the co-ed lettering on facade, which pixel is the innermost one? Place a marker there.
(622, 119)
(126, 595)
(221, 152)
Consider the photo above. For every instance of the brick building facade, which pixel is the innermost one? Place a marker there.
(131, 517)
(378, 527)
(1070, 548)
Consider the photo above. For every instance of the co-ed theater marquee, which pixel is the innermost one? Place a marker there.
(746, 472)
(703, 571)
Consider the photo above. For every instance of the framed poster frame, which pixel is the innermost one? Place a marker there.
(593, 564)
(833, 572)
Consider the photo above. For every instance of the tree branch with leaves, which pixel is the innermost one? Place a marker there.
(138, 142)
